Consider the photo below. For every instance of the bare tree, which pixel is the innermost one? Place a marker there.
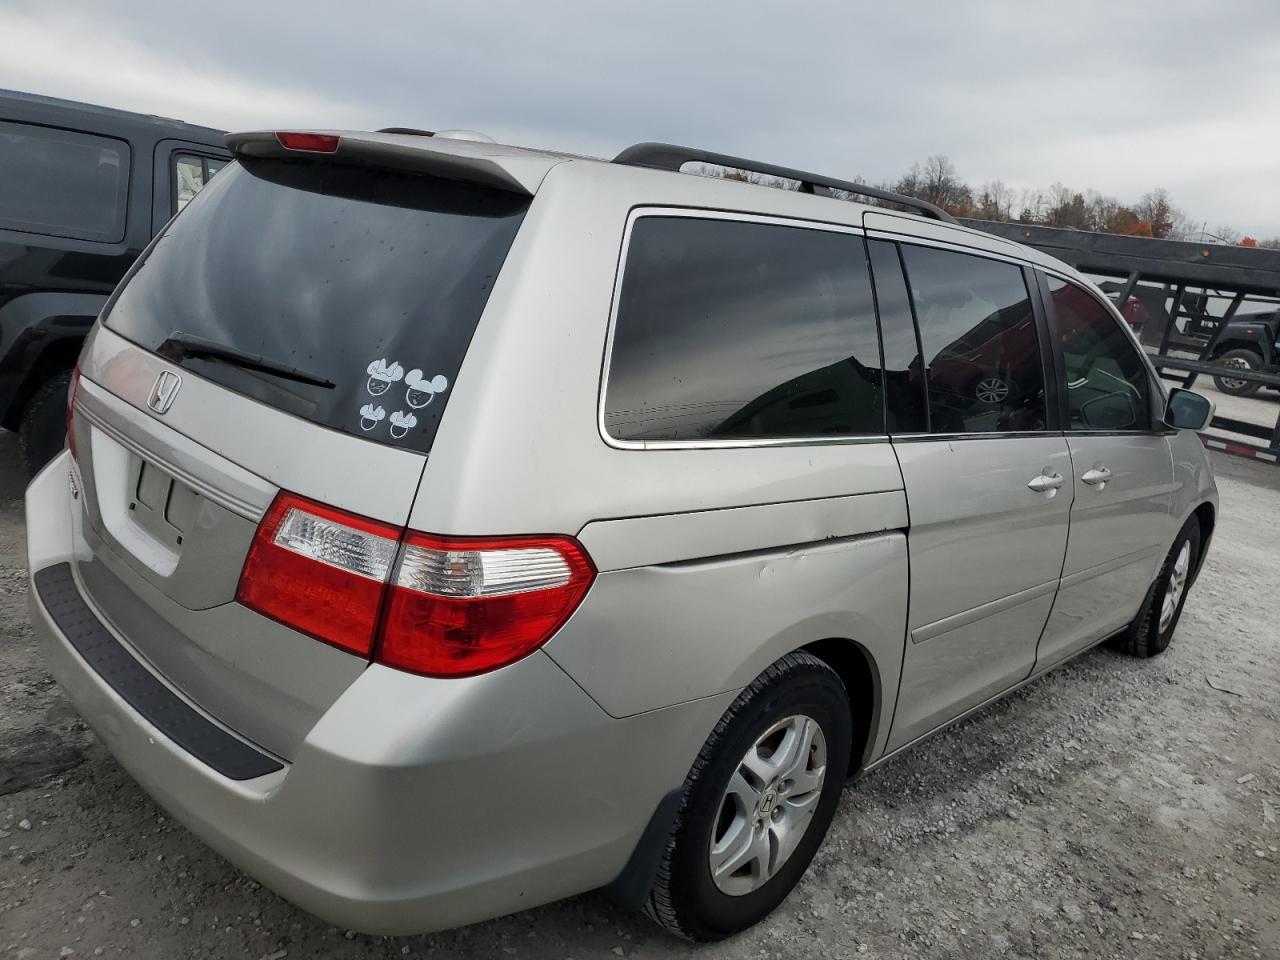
(935, 181)
(1225, 234)
(994, 201)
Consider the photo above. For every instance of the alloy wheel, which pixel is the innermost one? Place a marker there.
(992, 390)
(768, 804)
(1177, 585)
(1237, 363)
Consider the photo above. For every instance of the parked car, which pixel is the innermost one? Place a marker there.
(82, 191)
(450, 527)
(1249, 341)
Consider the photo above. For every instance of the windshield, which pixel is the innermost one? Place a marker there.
(371, 282)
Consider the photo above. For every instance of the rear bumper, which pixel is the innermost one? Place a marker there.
(414, 804)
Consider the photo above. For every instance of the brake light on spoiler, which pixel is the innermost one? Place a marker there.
(438, 606)
(309, 142)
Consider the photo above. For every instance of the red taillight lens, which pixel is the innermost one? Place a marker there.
(320, 570)
(463, 606)
(309, 142)
(450, 607)
(71, 411)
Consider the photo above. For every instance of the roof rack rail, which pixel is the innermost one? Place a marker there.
(412, 131)
(668, 156)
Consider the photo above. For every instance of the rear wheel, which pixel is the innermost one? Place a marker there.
(1152, 630)
(757, 802)
(42, 432)
(1241, 360)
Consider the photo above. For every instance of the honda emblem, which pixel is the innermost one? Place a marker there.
(163, 392)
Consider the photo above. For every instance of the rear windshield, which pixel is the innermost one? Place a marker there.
(366, 284)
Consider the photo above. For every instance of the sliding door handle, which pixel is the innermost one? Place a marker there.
(1097, 476)
(1047, 482)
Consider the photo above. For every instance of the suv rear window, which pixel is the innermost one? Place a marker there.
(61, 183)
(370, 280)
(735, 330)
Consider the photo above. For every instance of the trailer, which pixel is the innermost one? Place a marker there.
(1199, 309)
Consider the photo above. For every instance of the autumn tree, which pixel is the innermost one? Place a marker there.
(1157, 209)
(936, 181)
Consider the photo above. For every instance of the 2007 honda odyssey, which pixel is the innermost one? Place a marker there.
(449, 527)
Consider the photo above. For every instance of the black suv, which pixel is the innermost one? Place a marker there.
(82, 190)
(1250, 341)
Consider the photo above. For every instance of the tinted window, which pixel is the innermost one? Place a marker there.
(371, 280)
(732, 330)
(1106, 382)
(904, 384)
(62, 183)
(978, 335)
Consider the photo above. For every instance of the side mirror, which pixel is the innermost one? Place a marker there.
(1188, 410)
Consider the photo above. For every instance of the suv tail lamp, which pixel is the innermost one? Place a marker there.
(444, 607)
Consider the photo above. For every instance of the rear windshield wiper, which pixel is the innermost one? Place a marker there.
(180, 345)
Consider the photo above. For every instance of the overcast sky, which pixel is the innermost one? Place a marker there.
(1121, 96)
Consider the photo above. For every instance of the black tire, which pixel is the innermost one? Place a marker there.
(1144, 637)
(42, 432)
(685, 898)
(1238, 388)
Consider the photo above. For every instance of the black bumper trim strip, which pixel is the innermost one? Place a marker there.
(140, 688)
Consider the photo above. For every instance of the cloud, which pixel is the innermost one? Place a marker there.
(1121, 97)
(61, 55)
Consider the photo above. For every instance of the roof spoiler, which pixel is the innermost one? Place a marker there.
(668, 156)
(479, 163)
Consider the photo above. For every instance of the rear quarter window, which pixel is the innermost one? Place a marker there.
(63, 183)
(735, 330)
(371, 280)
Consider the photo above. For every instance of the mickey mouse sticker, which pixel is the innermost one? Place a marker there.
(421, 390)
(382, 375)
(402, 423)
(371, 416)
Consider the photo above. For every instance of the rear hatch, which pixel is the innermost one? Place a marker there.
(299, 327)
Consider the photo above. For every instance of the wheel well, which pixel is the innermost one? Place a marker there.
(1204, 516)
(56, 357)
(860, 679)
(1249, 345)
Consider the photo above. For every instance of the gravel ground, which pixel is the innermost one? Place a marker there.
(1115, 808)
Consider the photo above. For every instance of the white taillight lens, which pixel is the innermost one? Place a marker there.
(340, 545)
(481, 573)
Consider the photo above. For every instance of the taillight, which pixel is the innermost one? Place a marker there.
(464, 606)
(439, 606)
(71, 411)
(319, 570)
(309, 142)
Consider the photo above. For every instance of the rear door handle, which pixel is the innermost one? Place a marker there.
(1047, 482)
(1097, 476)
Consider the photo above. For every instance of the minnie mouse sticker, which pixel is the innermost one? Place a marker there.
(421, 390)
(402, 423)
(371, 416)
(382, 375)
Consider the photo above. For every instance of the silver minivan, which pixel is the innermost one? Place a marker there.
(447, 527)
